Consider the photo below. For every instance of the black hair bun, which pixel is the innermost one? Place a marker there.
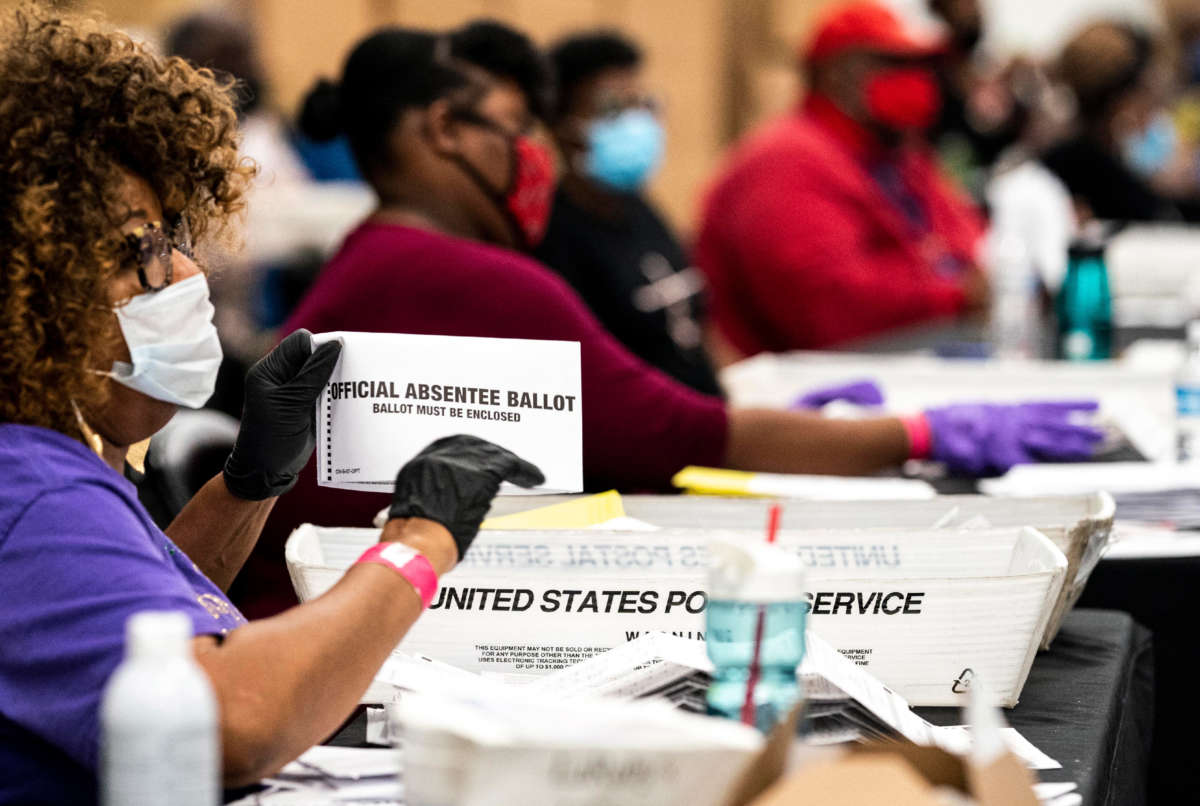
(321, 113)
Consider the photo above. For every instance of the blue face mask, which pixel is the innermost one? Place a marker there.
(1149, 151)
(624, 151)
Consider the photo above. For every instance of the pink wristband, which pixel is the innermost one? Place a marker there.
(414, 567)
(920, 437)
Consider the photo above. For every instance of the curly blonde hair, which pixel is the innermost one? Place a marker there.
(82, 106)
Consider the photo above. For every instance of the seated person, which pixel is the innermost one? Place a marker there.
(1118, 161)
(604, 237)
(835, 223)
(105, 328)
(446, 143)
(982, 112)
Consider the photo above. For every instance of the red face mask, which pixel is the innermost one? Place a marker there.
(903, 98)
(526, 201)
(531, 191)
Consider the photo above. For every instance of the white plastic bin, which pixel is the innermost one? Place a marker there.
(922, 610)
(1080, 525)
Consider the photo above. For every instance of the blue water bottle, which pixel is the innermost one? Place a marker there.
(755, 631)
(1084, 305)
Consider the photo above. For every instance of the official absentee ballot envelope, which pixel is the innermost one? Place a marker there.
(392, 394)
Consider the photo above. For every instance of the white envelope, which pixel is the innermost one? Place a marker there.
(392, 394)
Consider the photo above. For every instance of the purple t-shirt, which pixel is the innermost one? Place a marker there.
(79, 555)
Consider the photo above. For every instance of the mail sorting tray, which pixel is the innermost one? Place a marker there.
(1080, 525)
(925, 610)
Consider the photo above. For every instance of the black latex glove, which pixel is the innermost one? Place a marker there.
(453, 482)
(278, 430)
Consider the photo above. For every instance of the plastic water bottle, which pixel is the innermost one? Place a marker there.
(159, 742)
(1187, 398)
(751, 585)
(1015, 317)
(1084, 306)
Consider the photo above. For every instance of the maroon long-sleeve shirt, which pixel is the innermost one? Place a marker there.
(639, 426)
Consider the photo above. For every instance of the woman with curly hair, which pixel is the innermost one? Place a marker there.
(111, 161)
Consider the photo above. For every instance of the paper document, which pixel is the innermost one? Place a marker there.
(1138, 541)
(578, 513)
(346, 763)
(1178, 509)
(1118, 478)
(392, 394)
(844, 702)
(327, 775)
(957, 738)
(715, 481)
(1058, 794)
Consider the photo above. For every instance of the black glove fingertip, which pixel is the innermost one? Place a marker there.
(296, 347)
(525, 474)
(322, 361)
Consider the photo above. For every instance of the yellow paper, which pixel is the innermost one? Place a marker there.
(581, 513)
(714, 481)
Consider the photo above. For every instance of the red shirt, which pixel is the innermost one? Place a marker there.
(639, 426)
(816, 235)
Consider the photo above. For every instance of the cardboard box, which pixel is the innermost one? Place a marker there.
(899, 776)
(894, 773)
(924, 611)
(1080, 525)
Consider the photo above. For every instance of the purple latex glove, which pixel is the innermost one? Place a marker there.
(988, 439)
(860, 393)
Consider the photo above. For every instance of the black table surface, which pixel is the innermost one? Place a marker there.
(1164, 595)
(1089, 703)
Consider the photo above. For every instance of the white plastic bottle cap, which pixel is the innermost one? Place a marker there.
(754, 572)
(1193, 332)
(157, 634)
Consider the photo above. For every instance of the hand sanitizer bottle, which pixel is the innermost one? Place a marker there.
(159, 742)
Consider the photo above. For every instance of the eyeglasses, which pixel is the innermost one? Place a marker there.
(611, 106)
(153, 248)
(468, 115)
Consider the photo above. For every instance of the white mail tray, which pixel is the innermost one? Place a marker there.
(923, 610)
(1080, 525)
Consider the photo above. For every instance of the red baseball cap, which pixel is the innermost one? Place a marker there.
(866, 25)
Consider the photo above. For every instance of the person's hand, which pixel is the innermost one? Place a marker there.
(860, 393)
(988, 439)
(453, 482)
(278, 431)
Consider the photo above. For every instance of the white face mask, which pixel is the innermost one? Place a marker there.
(172, 343)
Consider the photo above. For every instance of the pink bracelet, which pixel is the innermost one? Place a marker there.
(920, 437)
(413, 566)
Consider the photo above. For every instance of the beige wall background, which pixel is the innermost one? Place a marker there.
(721, 66)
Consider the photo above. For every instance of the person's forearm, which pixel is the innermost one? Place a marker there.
(287, 682)
(767, 440)
(217, 530)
